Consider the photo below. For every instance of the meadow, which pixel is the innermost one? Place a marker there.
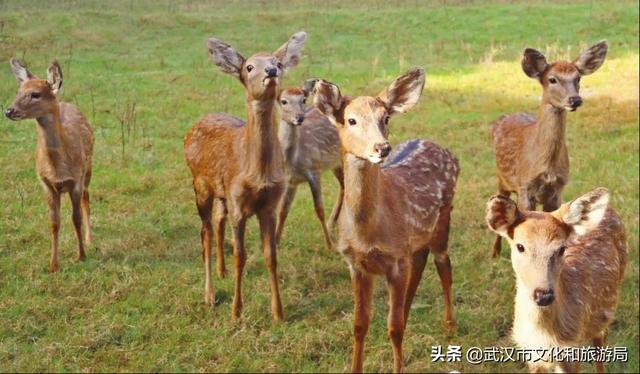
(140, 72)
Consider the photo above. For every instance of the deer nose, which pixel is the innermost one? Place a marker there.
(299, 119)
(383, 149)
(543, 297)
(575, 101)
(9, 112)
(271, 72)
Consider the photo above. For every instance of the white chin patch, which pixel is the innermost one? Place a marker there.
(375, 159)
(570, 109)
(268, 81)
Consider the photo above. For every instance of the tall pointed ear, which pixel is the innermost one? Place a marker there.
(533, 63)
(585, 213)
(591, 59)
(327, 99)
(226, 57)
(54, 77)
(289, 53)
(307, 87)
(502, 215)
(20, 71)
(404, 92)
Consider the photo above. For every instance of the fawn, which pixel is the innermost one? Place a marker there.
(393, 213)
(238, 167)
(310, 144)
(531, 155)
(63, 151)
(569, 265)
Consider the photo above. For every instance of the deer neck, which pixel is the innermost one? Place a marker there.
(263, 158)
(362, 198)
(549, 137)
(288, 135)
(50, 131)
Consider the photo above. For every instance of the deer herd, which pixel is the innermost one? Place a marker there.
(394, 204)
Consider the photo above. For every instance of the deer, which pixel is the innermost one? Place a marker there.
(310, 144)
(238, 167)
(531, 154)
(396, 206)
(64, 150)
(569, 265)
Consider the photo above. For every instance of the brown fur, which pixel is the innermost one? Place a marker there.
(393, 214)
(309, 148)
(64, 150)
(238, 167)
(585, 278)
(531, 154)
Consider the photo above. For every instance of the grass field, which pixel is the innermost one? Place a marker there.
(140, 72)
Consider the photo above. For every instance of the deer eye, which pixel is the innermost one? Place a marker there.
(520, 248)
(386, 120)
(280, 65)
(304, 101)
(552, 80)
(249, 68)
(284, 102)
(352, 121)
(35, 95)
(561, 250)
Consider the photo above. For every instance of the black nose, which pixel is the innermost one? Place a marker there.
(543, 297)
(300, 119)
(271, 72)
(575, 101)
(383, 149)
(9, 112)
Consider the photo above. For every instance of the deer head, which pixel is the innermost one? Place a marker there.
(260, 74)
(36, 97)
(363, 121)
(293, 100)
(538, 240)
(561, 79)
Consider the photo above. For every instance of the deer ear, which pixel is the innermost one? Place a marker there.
(289, 53)
(307, 87)
(533, 63)
(585, 213)
(502, 214)
(54, 77)
(226, 57)
(591, 59)
(404, 92)
(20, 71)
(328, 99)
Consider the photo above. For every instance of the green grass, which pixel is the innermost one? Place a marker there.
(137, 303)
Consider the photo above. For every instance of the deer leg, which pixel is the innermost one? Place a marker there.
(598, 342)
(290, 193)
(239, 258)
(204, 203)
(362, 285)
(439, 247)
(86, 216)
(397, 286)
(335, 212)
(418, 263)
(497, 245)
(76, 217)
(316, 191)
(53, 199)
(267, 222)
(526, 201)
(219, 219)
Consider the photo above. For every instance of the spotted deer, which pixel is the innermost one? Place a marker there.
(569, 265)
(238, 167)
(531, 154)
(311, 145)
(64, 149)
(393, 213)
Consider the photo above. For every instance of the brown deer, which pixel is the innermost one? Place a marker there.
(569, 265)
(393, 213)
(238, 167)
(311, 145)
(63, 151)
(531, 155)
